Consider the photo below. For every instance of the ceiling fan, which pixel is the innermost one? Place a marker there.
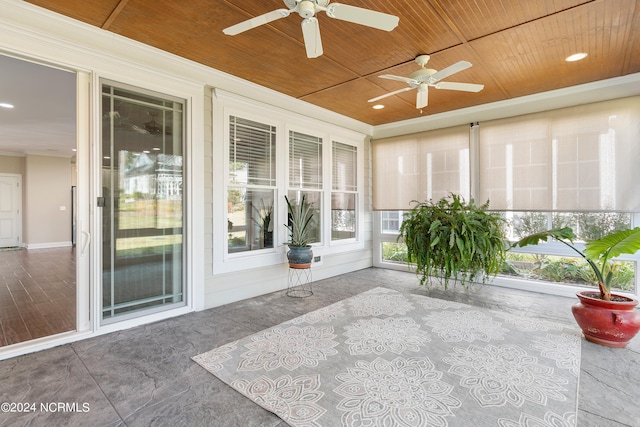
(310, 28)
(425, 77)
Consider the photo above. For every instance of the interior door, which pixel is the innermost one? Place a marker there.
(10, 210)
(142, 202)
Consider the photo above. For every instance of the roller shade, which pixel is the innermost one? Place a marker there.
(583, 158)
(422, 166)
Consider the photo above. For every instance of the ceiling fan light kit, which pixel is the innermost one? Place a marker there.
(422, 78)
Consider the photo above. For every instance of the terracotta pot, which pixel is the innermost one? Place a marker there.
(300, 256)
(609, 323)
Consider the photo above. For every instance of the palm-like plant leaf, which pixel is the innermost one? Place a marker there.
(559, 234)
(300, 216)
(613, 245)
(602, 250)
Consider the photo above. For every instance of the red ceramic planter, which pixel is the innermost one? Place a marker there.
(609, 323)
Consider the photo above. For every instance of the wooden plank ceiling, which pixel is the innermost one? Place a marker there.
(516, 47)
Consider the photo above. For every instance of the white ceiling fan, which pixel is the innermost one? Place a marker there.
(310, 28)
(425, 77)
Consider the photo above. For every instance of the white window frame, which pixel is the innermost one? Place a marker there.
(247, 186)
(226, 104)
(358, 204)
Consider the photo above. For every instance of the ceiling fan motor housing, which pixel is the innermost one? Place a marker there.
(306, 8)
(422, 75)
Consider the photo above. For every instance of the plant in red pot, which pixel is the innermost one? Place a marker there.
(605, 318)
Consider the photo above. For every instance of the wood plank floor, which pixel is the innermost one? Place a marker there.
(37, 293)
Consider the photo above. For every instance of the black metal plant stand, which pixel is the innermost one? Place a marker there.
(299, 282)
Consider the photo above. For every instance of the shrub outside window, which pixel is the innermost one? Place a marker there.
(548, 262)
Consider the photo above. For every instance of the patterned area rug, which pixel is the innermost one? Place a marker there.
(384, 358)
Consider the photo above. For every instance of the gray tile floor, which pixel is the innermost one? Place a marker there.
(144, 376)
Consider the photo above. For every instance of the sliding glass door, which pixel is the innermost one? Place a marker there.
(142, 202)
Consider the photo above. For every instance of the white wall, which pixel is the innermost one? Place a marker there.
(12, 164)
(47, 203)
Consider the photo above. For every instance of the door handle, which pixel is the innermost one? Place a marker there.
(86, 241)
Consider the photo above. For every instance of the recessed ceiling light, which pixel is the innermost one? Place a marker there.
(378, 107)
(5, 105)
(156, 149)
(575, 57)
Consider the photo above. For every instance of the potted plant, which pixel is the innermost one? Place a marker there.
(264, 221)
(452, 239)
(300, 216)
(605, 318)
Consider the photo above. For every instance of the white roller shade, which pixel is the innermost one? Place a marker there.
(422, 166)
(583, 158)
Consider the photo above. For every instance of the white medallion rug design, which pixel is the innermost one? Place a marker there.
(384, 358)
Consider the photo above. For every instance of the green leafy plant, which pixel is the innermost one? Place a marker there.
(264, 220)
(299, 223)
(452, 239)
(600, 251)
(264, 214)
(394, 252)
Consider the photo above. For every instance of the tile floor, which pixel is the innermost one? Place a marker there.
(144, 376)
(37, 293)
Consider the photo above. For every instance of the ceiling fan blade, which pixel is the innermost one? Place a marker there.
(256, 22)
(399, 78)
(451, 69)
(467, 87)
(395, 92)
(422, 99)
(311, 35)
(358, 15)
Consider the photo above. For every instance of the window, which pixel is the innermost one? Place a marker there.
(305, 161)
(251, 186)
(391, 221)
(552, 261)
(573, 167)
(574, 159)
(423, 166)
(305, 177)
(344, 191)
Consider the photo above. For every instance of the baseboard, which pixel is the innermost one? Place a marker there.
(48, 245)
